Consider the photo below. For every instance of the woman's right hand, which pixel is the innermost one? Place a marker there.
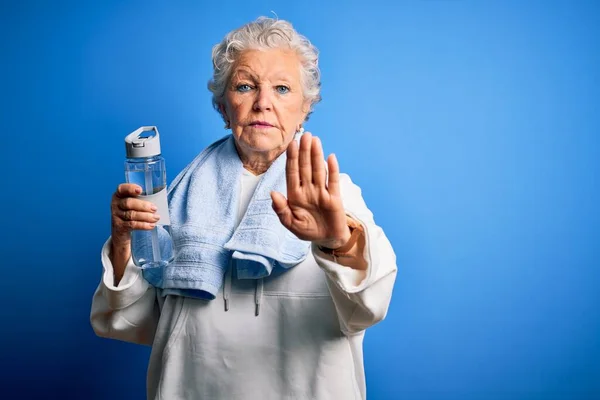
(128, 213)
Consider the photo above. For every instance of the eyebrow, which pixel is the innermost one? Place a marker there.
(283, 77)
(242, 73)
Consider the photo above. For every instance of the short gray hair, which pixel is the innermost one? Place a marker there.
(264, 33)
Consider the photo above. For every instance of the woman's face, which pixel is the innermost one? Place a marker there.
(264, 103)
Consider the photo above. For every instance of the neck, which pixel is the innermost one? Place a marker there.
(257, 163)
(256, 169)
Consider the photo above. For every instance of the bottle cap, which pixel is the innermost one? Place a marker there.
(143, 142)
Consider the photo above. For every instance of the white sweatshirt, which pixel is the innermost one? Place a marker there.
(306, 342)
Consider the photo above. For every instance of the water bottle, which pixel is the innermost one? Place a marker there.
(146, 167)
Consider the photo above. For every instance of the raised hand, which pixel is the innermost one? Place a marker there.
(313, 209)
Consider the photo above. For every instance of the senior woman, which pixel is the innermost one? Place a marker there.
(279, 268)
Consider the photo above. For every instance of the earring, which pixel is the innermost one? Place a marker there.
(299, 133)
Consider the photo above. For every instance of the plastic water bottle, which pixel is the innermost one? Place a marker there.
(146, 167)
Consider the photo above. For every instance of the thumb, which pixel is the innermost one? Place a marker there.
(281, 208)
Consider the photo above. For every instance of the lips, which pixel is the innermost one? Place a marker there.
(261, 124)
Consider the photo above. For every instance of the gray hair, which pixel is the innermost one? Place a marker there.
(264, 33)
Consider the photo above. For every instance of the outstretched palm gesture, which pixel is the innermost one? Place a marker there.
(313, 209)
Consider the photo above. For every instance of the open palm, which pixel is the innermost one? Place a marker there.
(313, 209)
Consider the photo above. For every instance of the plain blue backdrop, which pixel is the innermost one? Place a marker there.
(471, 126)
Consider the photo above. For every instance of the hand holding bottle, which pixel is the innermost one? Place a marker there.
(128, 213)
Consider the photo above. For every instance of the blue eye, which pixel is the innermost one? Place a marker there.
(282, 89)
(243, 88)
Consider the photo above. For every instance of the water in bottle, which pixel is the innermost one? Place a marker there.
(146, 167)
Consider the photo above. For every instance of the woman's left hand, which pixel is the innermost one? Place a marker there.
(313, 209)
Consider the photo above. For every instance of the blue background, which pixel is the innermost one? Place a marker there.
(471, 126)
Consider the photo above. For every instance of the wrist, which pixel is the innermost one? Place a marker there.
(344, 245)
(119, 254)
(333, 244)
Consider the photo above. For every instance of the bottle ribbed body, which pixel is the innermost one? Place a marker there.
(151, 248)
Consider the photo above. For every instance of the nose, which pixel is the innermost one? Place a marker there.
(263, 100)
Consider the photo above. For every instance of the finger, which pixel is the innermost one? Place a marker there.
(138, 216)
(304, 162)
(333, 181)
(127, 226)
(128, 190)
(131, 203)
(291, 169)
(318, 163)
(282, 209)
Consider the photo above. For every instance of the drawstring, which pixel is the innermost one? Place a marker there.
(227, 286)
(258, 291)
(258, 294)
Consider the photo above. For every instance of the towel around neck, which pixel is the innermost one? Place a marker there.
(203, 205)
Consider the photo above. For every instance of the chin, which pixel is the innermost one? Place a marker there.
(261, 140)
(263, 147)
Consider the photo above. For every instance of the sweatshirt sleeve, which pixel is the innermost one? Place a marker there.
(361, 297)
(127, 312)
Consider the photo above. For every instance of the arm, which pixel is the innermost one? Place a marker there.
(360, 281)
(127, 311)
(319, 202)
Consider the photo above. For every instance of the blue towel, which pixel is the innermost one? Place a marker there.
(203, 206)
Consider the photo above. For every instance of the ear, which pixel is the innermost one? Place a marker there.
(223, 111)
(305, 109)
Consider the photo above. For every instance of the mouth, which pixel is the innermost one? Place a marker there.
(261, 124)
